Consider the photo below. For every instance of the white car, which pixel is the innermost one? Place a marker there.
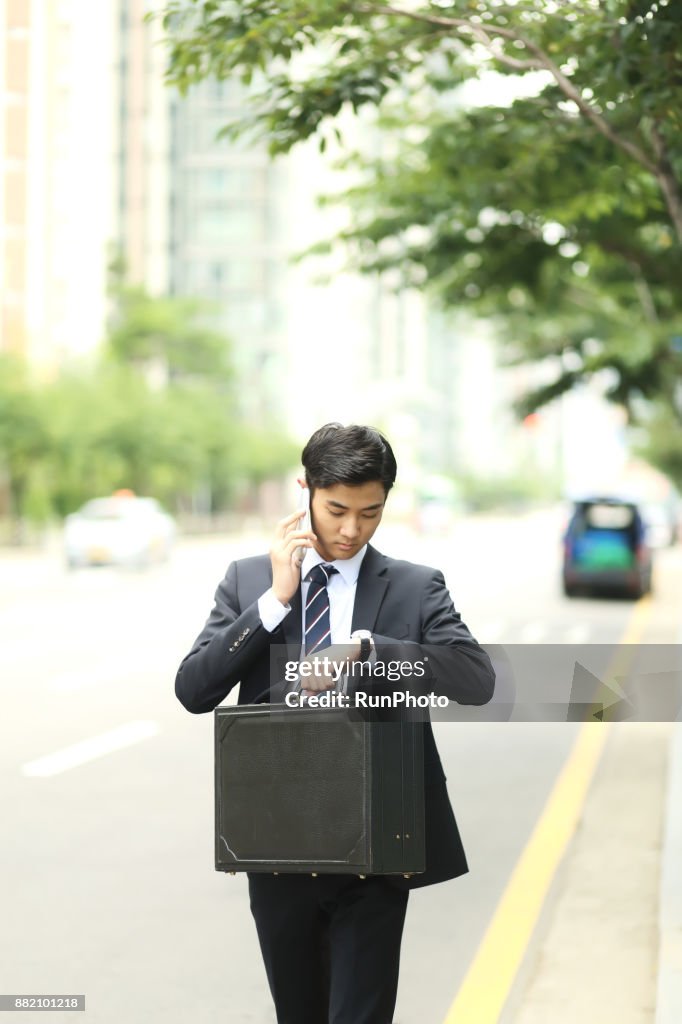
(120, 530)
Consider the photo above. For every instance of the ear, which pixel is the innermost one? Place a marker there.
(301, 480)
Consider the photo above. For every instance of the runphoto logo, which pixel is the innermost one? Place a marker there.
(361, 699)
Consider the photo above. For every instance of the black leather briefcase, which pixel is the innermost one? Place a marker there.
(311, 790)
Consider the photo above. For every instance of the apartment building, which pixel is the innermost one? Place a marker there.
(56, 176)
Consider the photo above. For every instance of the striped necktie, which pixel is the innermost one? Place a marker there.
(317, 628)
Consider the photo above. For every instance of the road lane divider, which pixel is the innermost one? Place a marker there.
(533, 632)
(489, 980)
(90, 749)
(577, 634)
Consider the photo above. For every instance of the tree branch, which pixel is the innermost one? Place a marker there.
(644, 293)
(667, 180)
(542, 62)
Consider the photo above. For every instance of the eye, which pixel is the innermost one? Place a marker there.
(336, 514)
(373, 515)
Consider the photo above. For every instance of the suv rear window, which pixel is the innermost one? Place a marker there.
(609, 517)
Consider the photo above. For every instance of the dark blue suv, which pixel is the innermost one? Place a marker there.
(605, 549)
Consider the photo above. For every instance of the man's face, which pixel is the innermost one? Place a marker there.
(344, 518)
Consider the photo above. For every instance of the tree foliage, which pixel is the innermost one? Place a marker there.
(22, 428)
(168, 336)
(556, 213)
(174, 434)
(661, 444)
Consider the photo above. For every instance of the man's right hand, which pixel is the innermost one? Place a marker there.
(286, 569)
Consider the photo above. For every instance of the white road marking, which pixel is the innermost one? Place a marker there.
(578, 634)
(532, 633)
(94, 579)
(88, 750)
(110, 674)
(490, 632)
(78, 680)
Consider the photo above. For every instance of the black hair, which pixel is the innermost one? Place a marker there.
(348, 455)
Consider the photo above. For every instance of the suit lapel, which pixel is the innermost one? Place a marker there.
(371, 587)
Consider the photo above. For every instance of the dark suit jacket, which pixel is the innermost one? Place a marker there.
(407, 608)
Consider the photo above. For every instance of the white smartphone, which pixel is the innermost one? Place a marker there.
(304, 522)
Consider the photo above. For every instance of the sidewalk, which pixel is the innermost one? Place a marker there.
(596, 962)
(669, 996)
(608, 947)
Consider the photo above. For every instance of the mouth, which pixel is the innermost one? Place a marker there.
(346, 547)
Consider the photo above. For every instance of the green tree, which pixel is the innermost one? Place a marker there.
(107, 429)
(167, 337)
(23, 434)
(558, 214)
(184, 440)
(661, 445)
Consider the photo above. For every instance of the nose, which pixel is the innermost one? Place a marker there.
(350, 529)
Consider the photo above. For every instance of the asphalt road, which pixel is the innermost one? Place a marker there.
(106, 880)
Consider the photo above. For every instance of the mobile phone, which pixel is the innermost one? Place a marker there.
(304, 523)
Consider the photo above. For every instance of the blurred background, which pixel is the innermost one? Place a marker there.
(157, 335)
(437, 232)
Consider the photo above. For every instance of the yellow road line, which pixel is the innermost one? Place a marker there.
(487, 984)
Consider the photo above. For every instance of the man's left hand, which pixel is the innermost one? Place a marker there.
(322, 670)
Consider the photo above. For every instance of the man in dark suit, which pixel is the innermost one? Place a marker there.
(331, 943)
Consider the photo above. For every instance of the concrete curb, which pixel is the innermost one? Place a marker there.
(669, 999)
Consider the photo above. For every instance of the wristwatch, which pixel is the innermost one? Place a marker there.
(366, 643)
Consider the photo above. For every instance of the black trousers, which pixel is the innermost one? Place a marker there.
(331, 946)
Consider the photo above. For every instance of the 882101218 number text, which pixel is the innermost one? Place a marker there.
(42, 1002)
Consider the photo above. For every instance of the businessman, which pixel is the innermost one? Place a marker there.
(331, 943)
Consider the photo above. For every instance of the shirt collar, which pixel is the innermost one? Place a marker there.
(348, 568)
